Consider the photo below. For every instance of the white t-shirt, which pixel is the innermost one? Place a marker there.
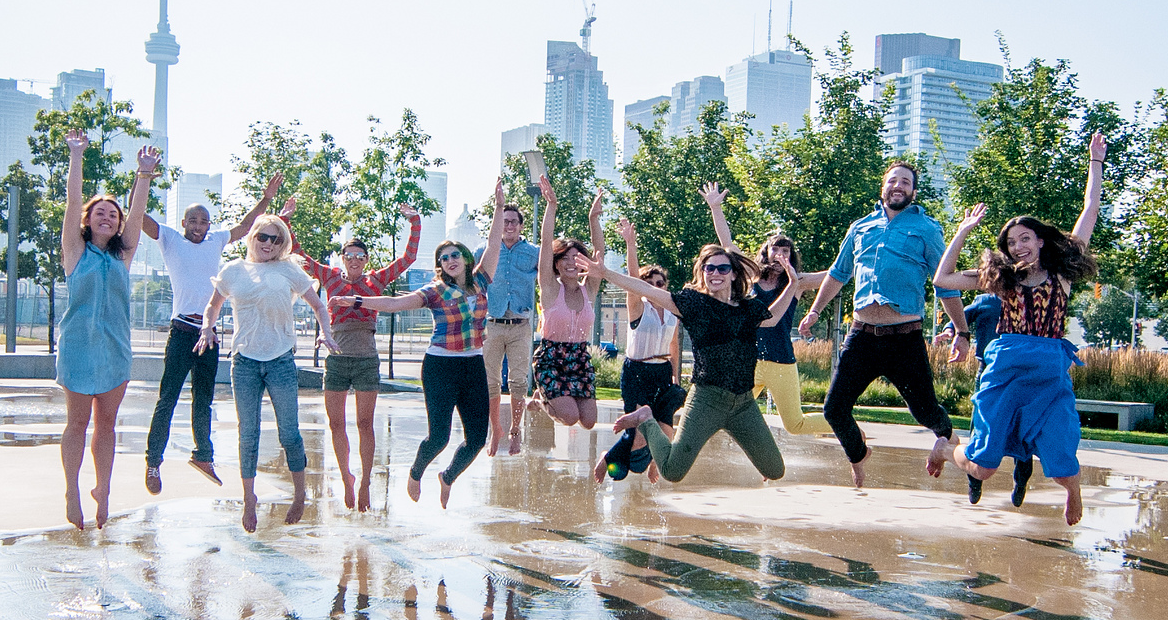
(191, 267)
(261, 297)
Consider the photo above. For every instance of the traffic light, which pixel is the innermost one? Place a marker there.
(1098, 291)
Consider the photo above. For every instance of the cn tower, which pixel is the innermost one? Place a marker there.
(162, 51)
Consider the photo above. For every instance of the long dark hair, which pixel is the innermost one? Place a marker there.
(1061, 254)
(116, 245)
(769, 268)
(745, 270)
(468, 262)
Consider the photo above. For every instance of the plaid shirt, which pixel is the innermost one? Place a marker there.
(459, 319)
(332, 279)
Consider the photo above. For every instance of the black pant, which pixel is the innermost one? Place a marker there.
(900, 358)
(449, 382)
(179, 361)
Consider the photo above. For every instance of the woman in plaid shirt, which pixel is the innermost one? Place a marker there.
(357, 365)
(453, 373)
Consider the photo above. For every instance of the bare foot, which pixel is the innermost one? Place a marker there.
(858, 470)
(363, 496)
(600, 470)
(652, 472)
(414, 489)
(296, 510)
(496, 435)
(102, 500)
(936, 461)
(249, 513)
(445, 496)
(350, 497)
(1074, 511)
(73, 510)
(633, 419)
(516, 442)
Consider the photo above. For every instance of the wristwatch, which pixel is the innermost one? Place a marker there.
(357, 301)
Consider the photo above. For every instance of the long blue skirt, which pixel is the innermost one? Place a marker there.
(1025, 405)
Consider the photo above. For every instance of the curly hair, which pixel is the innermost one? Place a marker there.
(115, 246)
(468, 262)
(1061, 254)
(764, 258)
(560, 248)
(745, 270)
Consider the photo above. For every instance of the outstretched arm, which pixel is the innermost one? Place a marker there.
(549, 288)
(634, 286)
(779, 306)
(399, 303)
(1085, 225)
(240, 229)
(490, 257)
(72, 244)
(319, 272)
(592, 281)
(947, 275)
(827, 292)
(148, 160)
(629, 233)
(714, 199)
(150, 227)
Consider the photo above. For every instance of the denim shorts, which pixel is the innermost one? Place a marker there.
(363, 374)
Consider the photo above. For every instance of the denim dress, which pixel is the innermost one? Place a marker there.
(93, 349)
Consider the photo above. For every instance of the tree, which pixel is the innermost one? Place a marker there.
(1108, 320)
(390, 173)
(29, 223)
(1147, 222)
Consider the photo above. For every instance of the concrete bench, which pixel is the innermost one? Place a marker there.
(1127, 414)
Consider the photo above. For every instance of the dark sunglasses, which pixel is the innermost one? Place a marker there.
(722, 268)
(449, 257)
(265, 238)
(354, 255)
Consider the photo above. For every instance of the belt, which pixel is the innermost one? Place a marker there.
(508, 321)
(887, 330)
(183, 326)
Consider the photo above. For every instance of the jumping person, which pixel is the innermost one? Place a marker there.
(776, 370)
(453, 373)
(98, 242)
(891, 252)
(563, 366)
(192, 259)
(648, 376)
(1025, 404)
(357, 364)
(263, 288)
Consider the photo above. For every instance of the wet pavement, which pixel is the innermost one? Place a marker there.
(533, 536)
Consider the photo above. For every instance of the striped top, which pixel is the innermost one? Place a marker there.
(332, 279)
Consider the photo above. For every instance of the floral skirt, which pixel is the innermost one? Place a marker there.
(564, 369)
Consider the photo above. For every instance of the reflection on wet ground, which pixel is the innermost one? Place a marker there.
(534, 537)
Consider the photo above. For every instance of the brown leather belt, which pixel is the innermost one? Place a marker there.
(508, 321)
(887, 330)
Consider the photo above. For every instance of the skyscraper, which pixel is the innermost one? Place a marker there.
(577, 108)
(433, 225)
(689, 98)
(515, 141)
(191, 188)
(892, 49)
(639, 113)
(18, 111)
(70, 86)
(774, 86)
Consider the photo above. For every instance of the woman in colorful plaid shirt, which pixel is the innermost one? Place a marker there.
(452, 370)
(357, 365)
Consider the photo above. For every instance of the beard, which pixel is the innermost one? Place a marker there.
(900, 204)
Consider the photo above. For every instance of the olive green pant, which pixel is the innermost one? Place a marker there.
(707, 410)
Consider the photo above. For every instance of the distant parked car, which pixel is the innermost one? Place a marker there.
(609, 349)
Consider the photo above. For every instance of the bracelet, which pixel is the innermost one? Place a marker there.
(813, 310)
(357, 301)
(1098, 160)
(966, 335)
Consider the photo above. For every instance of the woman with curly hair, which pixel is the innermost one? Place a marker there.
(1025, 405)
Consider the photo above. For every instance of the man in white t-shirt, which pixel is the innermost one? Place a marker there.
(192, 259)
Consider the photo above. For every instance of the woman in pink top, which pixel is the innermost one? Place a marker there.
(563, 367)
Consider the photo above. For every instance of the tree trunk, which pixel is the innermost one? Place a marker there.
(392, 332)
(316, 345)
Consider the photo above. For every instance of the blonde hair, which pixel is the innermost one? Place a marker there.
(283, 251)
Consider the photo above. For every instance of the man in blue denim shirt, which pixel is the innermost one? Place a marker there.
(510, 299)
(891, 253)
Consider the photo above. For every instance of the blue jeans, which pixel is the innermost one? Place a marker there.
(180, 361)
(248, 380)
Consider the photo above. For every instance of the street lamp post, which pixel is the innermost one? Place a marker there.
(536, 168)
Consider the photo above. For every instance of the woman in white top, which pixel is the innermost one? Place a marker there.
(262, 289)
(652, 363)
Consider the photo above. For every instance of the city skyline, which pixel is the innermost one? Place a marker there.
(331, 68)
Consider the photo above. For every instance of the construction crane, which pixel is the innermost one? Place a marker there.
(586, 31)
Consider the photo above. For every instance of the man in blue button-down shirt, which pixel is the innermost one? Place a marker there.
(891, 253)
(510, 299)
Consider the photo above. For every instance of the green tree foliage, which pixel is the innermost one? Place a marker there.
(1107, 320)
(321, 198)
(29, 221)
(1147, 222)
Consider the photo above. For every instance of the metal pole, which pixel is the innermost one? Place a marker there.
(13, 250)
(1135, 311)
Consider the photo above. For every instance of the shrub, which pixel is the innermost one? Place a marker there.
(608, 370)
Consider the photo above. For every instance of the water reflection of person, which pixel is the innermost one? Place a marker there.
(357, 364)
(98, 242)
(1025, 404)
(263, 288)
(355, 562)
(652, 362)
(453, 373)
(563, 367)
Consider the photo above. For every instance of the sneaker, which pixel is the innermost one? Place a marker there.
(207, 468)
(974, 489)
(153, 480)
(1022, 472)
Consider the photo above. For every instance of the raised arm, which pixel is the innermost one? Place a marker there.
(629, 233)
(386, 275)
(947, 275)
(311, 266)
(148, 160)
(549, 287)
(244, 225)
(714, 198)
(827, 292)
(779, 306)
(150, 227)
(1085, 225)
(490, 257)
(72, 243)
(592, 281)
(399, 303)
(634, 286)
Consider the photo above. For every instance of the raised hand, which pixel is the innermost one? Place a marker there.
(76, 140)
(289, 207)
(500, 197)
(274, 184)
(626, 230)
(1098, 147)
(546, 190)
(785, 263)
(972, 218)
(712, 196)
(590, 266)
(597, 205)
(148, 160)
(407, 210)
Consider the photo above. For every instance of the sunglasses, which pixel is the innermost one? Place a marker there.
(722, 268)
(357, 255)
(449, 257)
(266, 238)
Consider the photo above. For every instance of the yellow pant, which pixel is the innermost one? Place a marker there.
(783, 382)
